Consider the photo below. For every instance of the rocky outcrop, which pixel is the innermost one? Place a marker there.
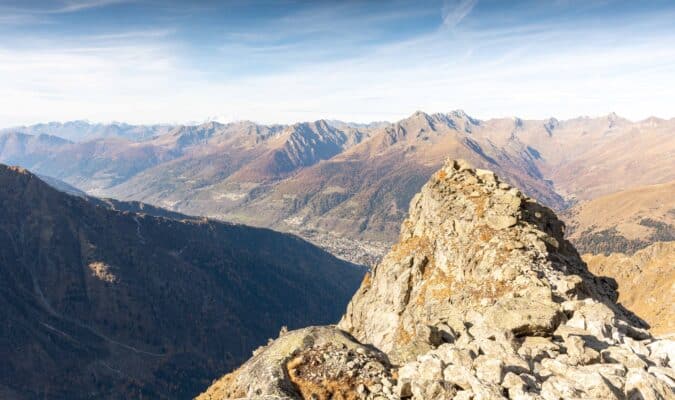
(474, 253)
(323, 361)
(481, 298)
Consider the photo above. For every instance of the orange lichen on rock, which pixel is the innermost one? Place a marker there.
(412, 246)
(224, 388)
(365, 284)
(338, 389)
(480, 204)
(437, 286)
(403, 336)
(321, 373)
(484, 233)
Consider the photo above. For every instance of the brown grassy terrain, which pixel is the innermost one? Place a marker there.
(646, 282)
(624, 221)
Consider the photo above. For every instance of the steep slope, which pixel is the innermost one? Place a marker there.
(623, 157)
(482, 298)
(473, 250)
(97, 165)
(625, 221)
(363, 191)
(61, 186)
(99, 303)
(300, 145)
(646, 282)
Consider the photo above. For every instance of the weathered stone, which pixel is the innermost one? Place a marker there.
(430, 369)
(489, 369)
(596, 318)
(513, 381)
(663, 352)
(403, 389)
(643, 386)
(452, 257)
(464, 395)
(529, 315)
(621, 355)
(374, 387)
(536, 348)
(578, 352)
(450, 354)
(267, 373)
(498, 222)
(460, 376)
(556, 388)
(596, 381)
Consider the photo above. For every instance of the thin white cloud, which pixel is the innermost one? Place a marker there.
(454, 11)
(79, 5)
(25, 15)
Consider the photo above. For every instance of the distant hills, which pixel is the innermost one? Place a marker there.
(624, 221)
(100, 302)
(346, 186)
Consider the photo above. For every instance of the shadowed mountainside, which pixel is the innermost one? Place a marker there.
(103, 303)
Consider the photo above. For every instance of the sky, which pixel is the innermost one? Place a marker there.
(166, 61)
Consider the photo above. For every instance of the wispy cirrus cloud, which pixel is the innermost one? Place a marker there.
(79, 5)
(23, 14)
(454, 11)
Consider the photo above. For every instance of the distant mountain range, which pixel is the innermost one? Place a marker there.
(100, 302)
(79, 131)
(346, 186)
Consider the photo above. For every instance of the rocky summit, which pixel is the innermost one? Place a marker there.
(481, 298)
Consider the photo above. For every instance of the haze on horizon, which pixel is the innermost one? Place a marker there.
(151, 61)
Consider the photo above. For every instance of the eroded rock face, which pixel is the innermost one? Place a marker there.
(474, 255)
(482, 298)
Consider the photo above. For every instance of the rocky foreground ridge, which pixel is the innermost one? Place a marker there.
(481, 298)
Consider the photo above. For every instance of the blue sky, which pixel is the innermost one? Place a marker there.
(146, 61)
